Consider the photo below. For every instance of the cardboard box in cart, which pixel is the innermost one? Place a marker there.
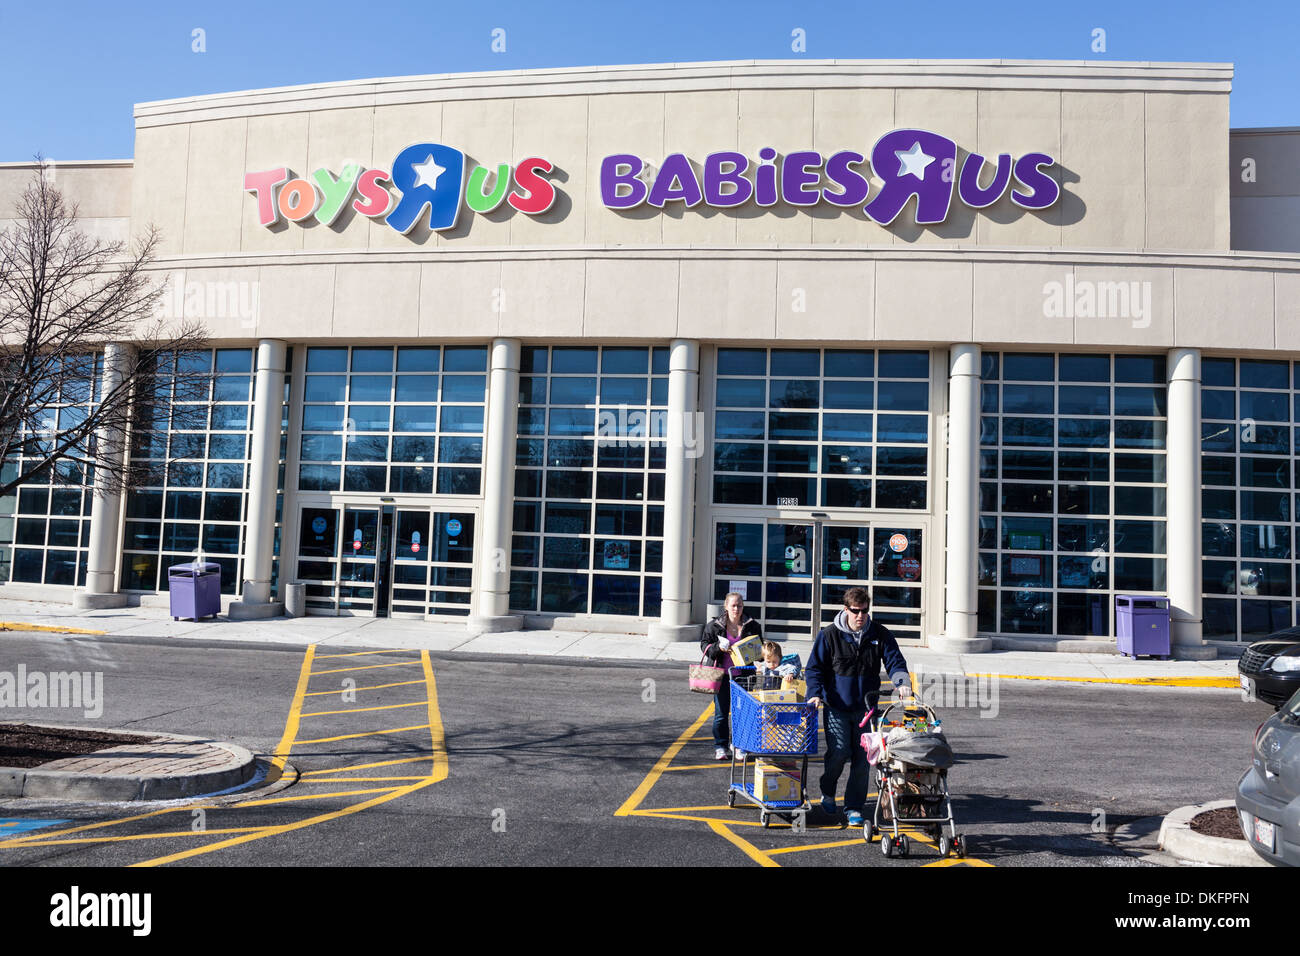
(776, 780)
(746, 651)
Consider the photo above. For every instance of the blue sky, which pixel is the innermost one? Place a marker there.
(74, 70)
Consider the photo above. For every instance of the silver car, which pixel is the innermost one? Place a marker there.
(1268, 796)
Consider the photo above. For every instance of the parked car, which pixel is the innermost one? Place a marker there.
(1270, 669)
(1268, 796)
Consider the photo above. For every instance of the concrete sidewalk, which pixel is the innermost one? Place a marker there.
(451, 636)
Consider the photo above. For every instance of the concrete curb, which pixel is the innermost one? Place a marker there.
(236, 766)
(1178, 839)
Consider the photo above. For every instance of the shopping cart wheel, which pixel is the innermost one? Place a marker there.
(765, 818)
(959, 845)
(867, 830)
(944, 845)
(903, 846)
(731, 799)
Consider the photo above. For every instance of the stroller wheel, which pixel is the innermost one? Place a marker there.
(867, 830)
(944, 846)
(887, 845)
(903, 846)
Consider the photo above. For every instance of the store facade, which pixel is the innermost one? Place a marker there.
(600, 345)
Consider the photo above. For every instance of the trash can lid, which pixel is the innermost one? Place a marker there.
(193, 566)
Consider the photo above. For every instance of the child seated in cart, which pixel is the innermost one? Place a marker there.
(773, 668)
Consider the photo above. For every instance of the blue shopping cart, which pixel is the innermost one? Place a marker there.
(776, 730)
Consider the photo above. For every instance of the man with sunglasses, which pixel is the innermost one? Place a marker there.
(843, 676)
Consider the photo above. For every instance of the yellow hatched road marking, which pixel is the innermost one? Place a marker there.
(146, 836)
(954, 861)
(751, 851)
(720, 765)
(817, 846)
(438, 772)
(396, 650)
(272, 801)
(363, 766)
(364, 667)
(358, 710)
(354, 780)
(326, 693)
(639, 794)
(1226, 682)
(46, 628)
(368, 733)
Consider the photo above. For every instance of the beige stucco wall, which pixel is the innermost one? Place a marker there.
(1140, 148)
(99, 189)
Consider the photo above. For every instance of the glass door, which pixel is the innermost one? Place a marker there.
(432, 562)
(771, 563)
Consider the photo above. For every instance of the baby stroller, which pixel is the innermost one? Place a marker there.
(910, 759)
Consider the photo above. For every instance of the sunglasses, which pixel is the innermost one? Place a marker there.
(856, 610)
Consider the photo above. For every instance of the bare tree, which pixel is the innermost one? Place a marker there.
(64, 297)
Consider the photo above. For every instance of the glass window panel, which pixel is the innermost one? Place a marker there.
(844, 363)
(903, 461)
(1140, 368)
(1266, 406)
(566, 553)
(222, 506)
(460, 450)
(1084, 499)
(800, 362)
(234, 360)
(796, 458)
(1265, 472)
(318, 477)
(1261, 618)
(740, 425)
(852, 428)
(417, 481)
(1027, 534)
(1218, 437)
(367, 448)
(1218, 503)
(1265, 506)
(1139, 574)
(624, 361)
(1025, 497)
(568, 484)
(460, 418)
(742, 362)
(418, 388)
(227, 446)
(1218, 404)
(1265, 439)
(419, 448)
(847, 460)
(466, 358)
(988, 398)
(226, 476)
(1080, 571)
(904, 364)
(1218, 372)
(1139, 434)
(742, 392)
(179, 536)
(532, 390)
(1257, 540)
(229, 417)
(846, 493)
(1140, 401)
(848, 395)
(988, 431)
(1036, 399)
(463, 388)
(231, 388)
(784, 426)
(573, 360)
(1084, 368)
(571, 421)
(1082, 534)
(620, 485)
(802, 490)
(365, 478)
(564, 592)
(902, 428)
(1220, 619)
(1150, 468)
(623, 391)
(1083, 399)
(528, 484)
(322, 417)
(1145, 537)
(735, 457)
(372, 360)
(1260, 373)
(903, 396)
(728, 490)
(900, 494)
(459, 481)
(569, 453)
(1031, 431)
(1139, 501)
(1082, 614)
(793, 393)
(369, 418)
(1218, 471)
(1026, 612)
(988, 464)
(1018, 367)
(623, 454)
(1033, 465)
(417, 359)
(568, 519)
(1083, 466)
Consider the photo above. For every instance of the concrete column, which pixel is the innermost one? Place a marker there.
(496, 524)
(268, 402)
(1183, 479)
(961, 607)
(106, 506)
(684, 446)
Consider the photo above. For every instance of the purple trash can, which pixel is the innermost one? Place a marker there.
(1142, 625)
(195, 590)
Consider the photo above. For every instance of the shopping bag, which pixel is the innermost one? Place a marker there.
(705, 678)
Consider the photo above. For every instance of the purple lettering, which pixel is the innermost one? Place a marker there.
(1044, 189)
(795, 178)
(716, 176)
(911, 163)
(853, 184)
(765, 178)
(676, 181)
(613, 181)
(969, 188)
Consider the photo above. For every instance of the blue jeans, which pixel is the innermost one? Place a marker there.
(843, 742)
(721, 712)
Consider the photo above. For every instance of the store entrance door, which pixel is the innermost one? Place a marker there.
(775, 564)
(388, 561)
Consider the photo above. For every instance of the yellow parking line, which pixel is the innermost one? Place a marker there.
(339, 690)
(439, 772)
(639, 794)
(751, 851)
(720, 765)
(818, 846)
(955, 861)
(368, 733)
(1226, 682)
(687, 816)
(271, 801)
(291, 721)
(358, 710)
(146, 836)
(46, 628)
(364, 766)
(396, 650)
(355, 779)
(721, 806)
(365, 667)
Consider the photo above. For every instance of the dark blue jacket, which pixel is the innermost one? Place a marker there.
(846, 677)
